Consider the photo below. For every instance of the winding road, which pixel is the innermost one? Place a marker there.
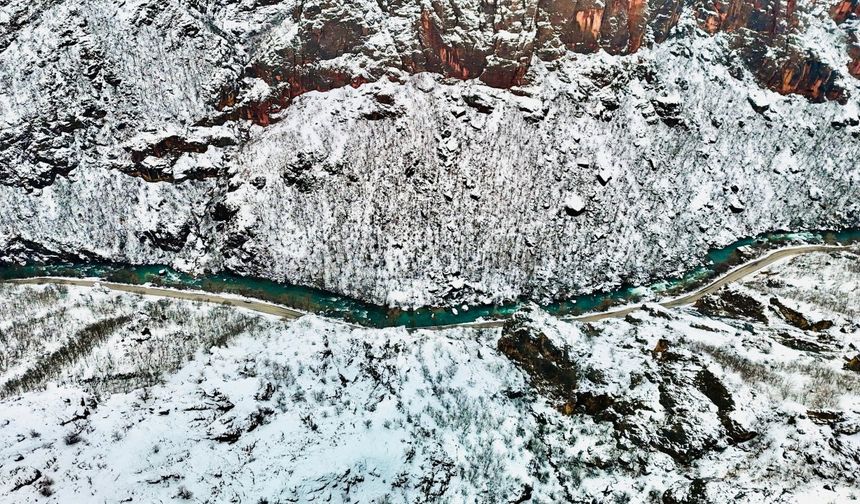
(289, 313)
(732, 276)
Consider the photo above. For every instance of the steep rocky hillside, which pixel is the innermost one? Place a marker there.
(752, 396)
(423, 152)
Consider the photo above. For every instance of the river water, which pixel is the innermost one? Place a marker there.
(353, 310)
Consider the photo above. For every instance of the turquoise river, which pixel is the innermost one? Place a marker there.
(332, 305)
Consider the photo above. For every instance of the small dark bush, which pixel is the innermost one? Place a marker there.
(184, 493)
(45, 487)
(72, 438)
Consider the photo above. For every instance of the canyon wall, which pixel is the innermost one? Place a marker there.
(423, 151)
(497, 41)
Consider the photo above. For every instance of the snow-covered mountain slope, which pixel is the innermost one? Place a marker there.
(116, 397)
(388, 150)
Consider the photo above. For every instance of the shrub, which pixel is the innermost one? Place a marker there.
(184, 493)
(46, 490)
(72, 438)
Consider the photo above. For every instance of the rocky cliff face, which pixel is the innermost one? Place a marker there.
(423, 152)
(496, 42)
(846, 14)
(762, 33)
(844, 10)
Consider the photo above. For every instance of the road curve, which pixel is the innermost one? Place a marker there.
(687, 299)
(289, 313)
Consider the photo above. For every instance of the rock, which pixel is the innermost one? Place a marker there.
(229, 428)
(548, 366)
(266, 392)
(169, 237)
(802, 343)
(214, 400)
(660, 349)
(826, 417)
(259, 182)
(727, 302)
(709, 385)
(76, 414)
(533, 108)
(852, 364)
(695, 407)
(815, 194)
(425, 82)
(19, 477)
(604, 176)
(668, 109)
(574, 205)
(843, 10)
(479, 101)
(759, 101)
(736, 205)
(797, 319)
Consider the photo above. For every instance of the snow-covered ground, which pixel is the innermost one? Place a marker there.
(729, 401)
(349, 145)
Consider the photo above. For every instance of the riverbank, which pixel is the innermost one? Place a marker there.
(290, 313)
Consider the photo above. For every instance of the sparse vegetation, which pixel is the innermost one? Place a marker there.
(45, 486)
(808, 279)
(809, 382)
(73, 349)
(132, 343)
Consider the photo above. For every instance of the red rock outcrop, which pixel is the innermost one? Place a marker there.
(808, 77)
(841, 11)
(458, 61)
(496, 41)
(770, 17)
(854, 54)
(297, 81)
(616, 26)
(762, 27)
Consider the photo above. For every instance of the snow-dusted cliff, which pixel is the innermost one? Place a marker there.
(423, 152)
